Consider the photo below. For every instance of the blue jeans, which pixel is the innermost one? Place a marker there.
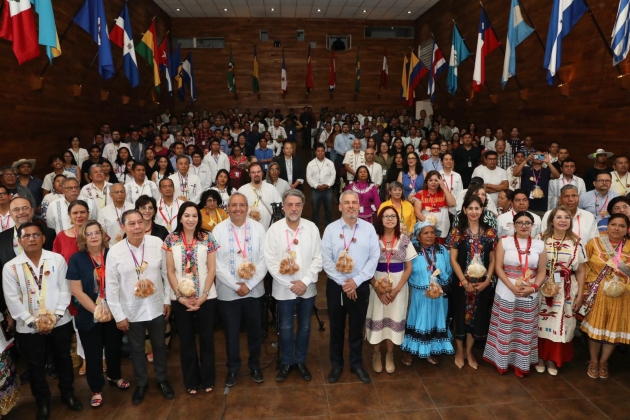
(290, 353)
(317, 198)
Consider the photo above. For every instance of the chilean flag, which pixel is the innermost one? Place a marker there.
(438, 64)
(486, 43)
(18, 26)
(121, 36)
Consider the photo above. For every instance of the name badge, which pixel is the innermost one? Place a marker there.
(361, 209)
(469, 164)
(557, 278)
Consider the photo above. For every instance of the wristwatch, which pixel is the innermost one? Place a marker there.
(208, 294)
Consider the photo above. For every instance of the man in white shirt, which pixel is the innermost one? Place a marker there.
(96, 190)
(567, 167)
(260, 195)
(187, 186)
(57, 213)
(413, 138)
(621, 181)
(216, 159)
(320, 175)
(140, 257)
(353, 159)
(57, 164)
(505, 222)
(375, 169)
(201, 170)
(110, 151)
(323, 137)
(495, 178)
(168, 206)
(293, 240)
(110, 216)
(243, 241)
(515, 181)
(277, 131)
(140, 184)
(33, 279)
(584, 225)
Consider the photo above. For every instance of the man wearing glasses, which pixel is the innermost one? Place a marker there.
(434, 163)
(110, 216)
(14, 188)
(57, 213)
(596, 201)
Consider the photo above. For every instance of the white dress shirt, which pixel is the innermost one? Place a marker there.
(216, 163)
(281, 185)
(228, 258)
(6, 221)
(22, 304)
(277, 132)
(48, 181)
(188, 186)
(308, 256)
(454, 183)
(110, 219)
(355, 160)
(261, 200)
(204, 174)
(57, 214)
(165, 215)
(505, 224)
(376, 172)
(110, 151)
(320, 173)
(556, 184)
(121, 277)
(133, 191)
(491, 176)
(584, 225)
(100, 197)
(620, 184)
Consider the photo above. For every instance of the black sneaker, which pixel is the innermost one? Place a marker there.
(257, 376)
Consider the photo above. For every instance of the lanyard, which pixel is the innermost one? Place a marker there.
(100, 273)
(241, 250)
(579, 226)
(141, 192)
(554, 255)
(450, 188)
(617, 258)
(389, 255)
(16, 244)
(139, 267)
(5, 226)
(294, 241)
(623, 185)
(524, 268)
(597, 207)
(41, 282)
(346, 247)
(188, 252)
(569, 182)
(256, 194)
(118, 216)
(536, 178)
(170, 219)
(183, 183)
(430, 261)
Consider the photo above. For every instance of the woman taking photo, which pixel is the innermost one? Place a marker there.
(387, 308)
(147, 206)
(70, 165)
(565, 267)
(237, 164)
(369, 200)
(191, 268)
(273, 178)
(164, 170)
(434, 200)
(426, 332)
(86, 273)
(521, 269)
(404, 208)
(211, 212)
(607, 318)
(221, 186)
(471, 244)
(411, 177)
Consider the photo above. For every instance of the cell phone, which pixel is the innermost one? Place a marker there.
(539, 156)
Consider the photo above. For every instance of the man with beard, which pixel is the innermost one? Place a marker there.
(260, 195)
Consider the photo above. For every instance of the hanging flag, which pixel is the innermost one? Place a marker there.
(147, 49)
(486, 43)
(564, 15)
(417, 72)
(230, 75)
(255, 77)
(518, 30)
(121, 36)
(404, 83)
(162, 59)
(332, 74)
(357, 80)
(48, 36)
(438, 64)
(18, 26)
(283, 75)
(621, 33)
(188, 76)
(459, 52)
(384, 70)
(309, 72)
(175, 64)
(93, 20)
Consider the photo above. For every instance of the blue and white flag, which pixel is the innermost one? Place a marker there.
(620, 42)
(564, 15)
(459, 53)
(518, 30)
(188, 76)
(92, 19)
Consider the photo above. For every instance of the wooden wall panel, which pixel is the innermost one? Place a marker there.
(593, 115)
(38, 123)
(211, 65)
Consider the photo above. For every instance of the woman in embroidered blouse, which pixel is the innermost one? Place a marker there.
(434, 200)
(471, 297)
(411, 176)
(426, 332)
(163, 170)
(70, 165)
(556, 322)
(86, 273)
(211, 213)
(222, 187)
(607, 319)
(369, 200)
(191, 254)
(237, 164)
(423, 150)
(403, 207)
(387, 311)
(513, 335)
(487, 216)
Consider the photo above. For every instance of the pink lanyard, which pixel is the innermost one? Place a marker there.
(597, 201)
(294, 241)
(5, 226)
(536, 178)
(346, 247)
(242, 250)
(617, 258)
(135, 261)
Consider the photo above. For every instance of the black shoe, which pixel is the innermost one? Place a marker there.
(24, 378)
(167, 390)
(138, 394)
(51, 370)
(304, 373)
(43, 412)
(73, 403)
(257, 376)
(283, 373)
(334, 374)
(230, 381)
(362, 375)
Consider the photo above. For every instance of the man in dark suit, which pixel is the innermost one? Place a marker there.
(291, 168)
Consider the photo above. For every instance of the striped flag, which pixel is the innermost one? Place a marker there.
(48, 36)
(417, 72)
(255, 77)
(486, 43)
(147, 48)
(332, 74)
(404, 83)
(438, 64)
(162, 58)
(121, 36)
(518, 30)
(459, 52)
(283, 75)
(18, 26)
(621, 33)
(188, 76)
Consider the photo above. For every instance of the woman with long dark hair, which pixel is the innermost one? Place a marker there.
(412, 176)
(191, 268)
(487, 216)
(120, 164)
(221, 186)
(163, 169)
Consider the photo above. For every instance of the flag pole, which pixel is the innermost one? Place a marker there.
(542, 44)
(436, 83)
(88, 69)
(601, 34)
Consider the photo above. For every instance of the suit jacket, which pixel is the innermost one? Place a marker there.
(298, 169)
(7, 253)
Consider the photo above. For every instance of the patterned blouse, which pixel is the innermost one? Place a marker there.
(189, 254)
(432, 202)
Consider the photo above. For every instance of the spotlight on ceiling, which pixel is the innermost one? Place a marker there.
(319, 10)
(178, 9)
(272, 9)
(225, 10)
(409, 11)
(364, 11)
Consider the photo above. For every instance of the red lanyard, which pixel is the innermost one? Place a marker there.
(579, 226)
(388, 255)
(242, 250)
(100, 273)
(524, 268)
(5, 226)
(346, 247)
(170, 219)
(597, 201)
(188, 252)
(451, 186)
(294, 241)
(38, 280)
(430, 261)
(570, 182)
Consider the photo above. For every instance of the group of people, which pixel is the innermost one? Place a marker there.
(438, 246)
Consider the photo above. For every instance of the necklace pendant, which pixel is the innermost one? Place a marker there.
(295, 241)
(168, 226)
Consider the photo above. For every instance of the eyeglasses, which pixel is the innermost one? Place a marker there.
(389, 216)
(211, 200)
(118, 192)
(146, 208)
(561, 218)
(2, 194)
(27, 236)
(95, 233)
(9, 174)
(605, 181)
(523, 224)
(20, 209)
